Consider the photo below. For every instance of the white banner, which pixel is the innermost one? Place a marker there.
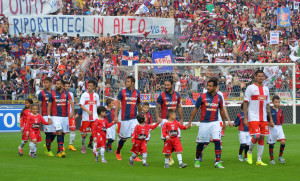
(272, 74)
(92, 25)
(274, 38)
(29, 7)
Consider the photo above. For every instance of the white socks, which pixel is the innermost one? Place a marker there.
(95, 146)
(144, 157)
(22, 144)
(260, 150)
(72, 137)
(102, 150)
(133, 156)
(251, 147)
(179, 157)
(32, 147)
(167, 161)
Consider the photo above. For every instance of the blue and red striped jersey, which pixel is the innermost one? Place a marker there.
(210, 106)
(60, 103)
(110, 115)
(129, 100)
(277, 115)
(44, 97)
(239, 121)
(149, 117)
(168, 101)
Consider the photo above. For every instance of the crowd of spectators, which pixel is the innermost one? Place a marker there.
(235, 31)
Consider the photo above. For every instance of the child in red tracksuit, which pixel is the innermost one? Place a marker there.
(172, 142)
(139, 136)
(25, 115)
(99, 133)
(34, 124)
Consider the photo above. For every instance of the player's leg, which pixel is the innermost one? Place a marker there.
(264, 130)
(202, 138)
(248, 141)
(111, 135)
(125, 132)
(216, 137)
(242, 138)
(135, 151)
(57, 121)
(90, 146)
(84, 129)
(25, 137)
(281, 138)
(255, 133)
(32, 147)
(72, 126)
(178, 150)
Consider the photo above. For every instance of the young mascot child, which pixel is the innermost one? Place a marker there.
(99, 133)
(172, 142)
(139, 136)
(35, 121)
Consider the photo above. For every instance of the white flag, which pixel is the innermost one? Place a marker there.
(142, 9)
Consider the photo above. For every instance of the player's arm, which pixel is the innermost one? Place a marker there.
(139, 106)
(164, 132)
(116, 111)
(22, 124)
(181, 126)
(222, 112)
(195, 110)
(282, 118)
(227, 117)
(94, 130)
(237, 120)
(40, 98)
(72, 106)
(154, 126)
(157, 111)
(245, 110)
(180, 112)
(49, 108)
(270, 115)
(134, 135)
(42, 120)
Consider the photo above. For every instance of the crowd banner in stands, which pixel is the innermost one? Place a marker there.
(162, 57)
(92, 25)
(274, 37)
(283, 17)
(10, 120)
(29, 7)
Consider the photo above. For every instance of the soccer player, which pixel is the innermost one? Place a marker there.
(256, 108)
(276, 133)
(43, 98)
(131, 103)
(139, 136)
(172, 142)
(169, 99)
(72, 124)
(34, 126)
(24, 121)
(89, 101)
(211, 104)
(99, 128)
(58, 106)
(219, 118)
(244, 135)
(111, 132)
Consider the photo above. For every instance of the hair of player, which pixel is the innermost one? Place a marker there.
(101, 109)
(66, 82)
(108, 101)
(30, 102)
(92, 82)
(35, 105)
(171, 111)
(48, 79)
(275, 98)
(132, 79)
(171, 81)
(146, 104)
(242, 106)
(140, 118)
(62, 81)
(258, 72)
(215, 78)
(214, 81)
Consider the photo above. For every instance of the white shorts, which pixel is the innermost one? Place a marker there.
(111, 132)
(209, 130)
(61, 124)
(244, 137)
(276, 134)
(127, 128)
(161, 125)
(48, 128)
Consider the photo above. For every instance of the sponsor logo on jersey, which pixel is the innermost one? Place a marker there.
(211, 104)
(171, 103)
(261, 98)
(131, 98)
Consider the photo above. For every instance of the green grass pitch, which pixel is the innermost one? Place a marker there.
(77, 166)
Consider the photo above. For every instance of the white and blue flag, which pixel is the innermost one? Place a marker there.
(130, 58)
